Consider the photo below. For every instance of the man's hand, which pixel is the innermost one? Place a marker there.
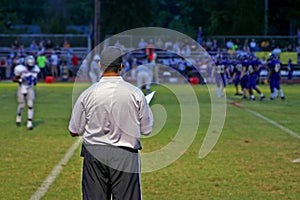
(74, 134)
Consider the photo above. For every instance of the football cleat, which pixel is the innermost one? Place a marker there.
(29, 125)
(262, 97)
(18, 120)
(283, 98)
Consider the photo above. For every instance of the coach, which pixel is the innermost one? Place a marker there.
(110, 116)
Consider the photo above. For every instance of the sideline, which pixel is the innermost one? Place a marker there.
(274, 123)
(43, 189)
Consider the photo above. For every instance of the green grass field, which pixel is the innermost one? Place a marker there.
(252, 159)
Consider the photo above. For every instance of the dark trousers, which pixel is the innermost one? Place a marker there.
(110, 172)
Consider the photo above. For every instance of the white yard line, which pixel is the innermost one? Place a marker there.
(43, 189)
(274, 123)
(292, 133)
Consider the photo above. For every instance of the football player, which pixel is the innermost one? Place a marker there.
(236, 74)
(95, 72)
(144, 76)
(254, 69)
(244, 76)
(220, 76)
(26, 75)
(274, 67)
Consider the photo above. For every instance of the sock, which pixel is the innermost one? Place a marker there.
(219, 93)
(281, 92)
(275, 93)
(30, 113)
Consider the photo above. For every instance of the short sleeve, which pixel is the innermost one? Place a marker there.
(78, 118)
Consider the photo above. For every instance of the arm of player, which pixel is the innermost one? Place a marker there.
(17, 79)
(243, 73)
(233, 76)
(78, 119)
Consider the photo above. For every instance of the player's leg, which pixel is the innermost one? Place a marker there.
(261, 94)
(236, 84)
(148, 83)
(251, 86)
(254, 86)
(218, 82)
(272, 89)
(30, 103)
(21, 105)
(244, 87)
(277, 86)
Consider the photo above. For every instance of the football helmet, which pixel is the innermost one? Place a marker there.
(29, 61)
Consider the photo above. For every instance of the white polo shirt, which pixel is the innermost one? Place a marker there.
(113, 112)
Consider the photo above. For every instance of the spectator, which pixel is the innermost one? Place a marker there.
(289, 48)
(54, 64)
(3, 66)
(209, 44)
(273, 44)
(277, 51)
(42, 63)
(41, 47)
(33, 47)
(238, 44)
(64, 70)
(49, 45)
(9, 67)
(66, 45)
(252, 45)
(168, 45)
(215, 45)
(15, 45)
(142, 44)
(229, 44)
(83, 70)
(75, 63)
(118, 44)
(57, 49)
(246, 48)
(199, 35)
(265, 45)
(159, 44)
(150, 51)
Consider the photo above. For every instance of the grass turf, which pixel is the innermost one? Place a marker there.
(252, 159)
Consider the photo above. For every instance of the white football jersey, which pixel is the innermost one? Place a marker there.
(29, 77)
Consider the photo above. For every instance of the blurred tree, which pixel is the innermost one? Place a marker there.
(234, 17)
(217, 17)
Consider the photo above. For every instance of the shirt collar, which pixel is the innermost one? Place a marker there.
(111, 78)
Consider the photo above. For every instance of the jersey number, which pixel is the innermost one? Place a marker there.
(31, 80)
(277, 67)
